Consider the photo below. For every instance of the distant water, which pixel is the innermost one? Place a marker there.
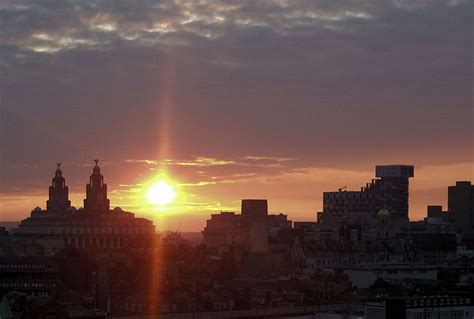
(9, 225)
(194, 238)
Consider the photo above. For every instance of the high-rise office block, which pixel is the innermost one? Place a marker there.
(255, 224)
(461, 207)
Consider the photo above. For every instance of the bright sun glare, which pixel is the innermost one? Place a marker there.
(161, 193)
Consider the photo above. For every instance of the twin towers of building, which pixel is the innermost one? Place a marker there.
(96, 200)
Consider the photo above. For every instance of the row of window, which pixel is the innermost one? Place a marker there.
(95, 242)
(13, 285)
(438, 302)
(129, 223)
(444, 314)
(53, 230)
(22, 266)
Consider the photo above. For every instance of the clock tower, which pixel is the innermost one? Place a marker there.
(96, 192)
(58, 201)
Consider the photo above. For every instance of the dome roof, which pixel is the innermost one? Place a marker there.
(36, 212)
(383, 212)
(71, 209)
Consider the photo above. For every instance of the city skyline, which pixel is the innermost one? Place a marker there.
(168, 217)
(236, 159)
(229, 100)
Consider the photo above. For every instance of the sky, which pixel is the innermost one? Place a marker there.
(233, 99)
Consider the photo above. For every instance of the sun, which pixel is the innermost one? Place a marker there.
(161, 193)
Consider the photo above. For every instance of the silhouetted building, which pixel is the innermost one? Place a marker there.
(58, 193)
(386, 196)
(95, 227)
(305, 230)
(223, 231)
(96, 192)
(279, 221)
(34, 276)
(429, 243)
(461, 207)
(446, 307)
(436, 211)
(255, 224)
(251, 230)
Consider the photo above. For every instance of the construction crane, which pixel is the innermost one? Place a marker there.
(179, 227)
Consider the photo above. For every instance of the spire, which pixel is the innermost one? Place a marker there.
(96, 192)
(58, 201)
(96, 169)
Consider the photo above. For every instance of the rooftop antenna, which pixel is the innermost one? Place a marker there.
(96, 161)
(59, 164)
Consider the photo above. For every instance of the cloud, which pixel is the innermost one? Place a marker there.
(230, 92)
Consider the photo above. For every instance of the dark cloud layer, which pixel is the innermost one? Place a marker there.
(331, 83)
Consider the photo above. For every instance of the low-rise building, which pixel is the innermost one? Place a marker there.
(248, 230)
(223, 231)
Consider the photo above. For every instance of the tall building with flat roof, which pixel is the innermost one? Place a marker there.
(255, 224)
(461, 207)
(223, 231)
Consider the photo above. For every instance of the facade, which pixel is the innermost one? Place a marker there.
(386, 196)
(426, 307)
(346, 260)
(93, 227)
(223, 231)
(429, 243)
(363, 277)
(255, 224)
(304, 230)
(251, 230)
(279, 222)
(33, 276)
